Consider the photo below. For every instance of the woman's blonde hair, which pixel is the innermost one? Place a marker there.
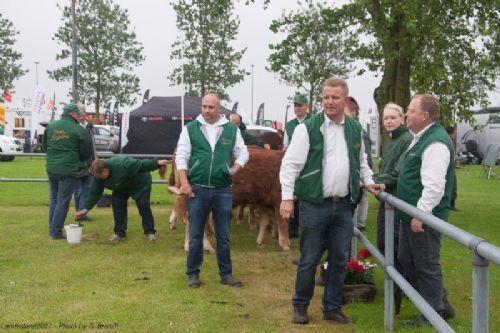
(395, 107)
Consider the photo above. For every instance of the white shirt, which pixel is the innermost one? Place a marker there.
(286, 139)
(336, 174)
(435, 162)
(212, 133)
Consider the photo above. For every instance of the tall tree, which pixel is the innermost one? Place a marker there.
(10, 69)
(107, 53)
(312, 50)
(210, 62)
(448, 48)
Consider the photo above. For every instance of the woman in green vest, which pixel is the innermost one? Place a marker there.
(399, 140)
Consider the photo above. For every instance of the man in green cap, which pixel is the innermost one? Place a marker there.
(300, 107)
(68, 146)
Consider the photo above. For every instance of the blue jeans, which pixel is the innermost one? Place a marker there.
(119, 203)
(327, 224)
(61, 189)
(220, 202)
(84, 184)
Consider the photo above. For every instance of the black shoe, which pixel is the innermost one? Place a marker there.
(231, 281)
(455, 209)
(448, 312)
(57, 237)
(293, 235)
(337, 316)
(300, 314)
(194, 281)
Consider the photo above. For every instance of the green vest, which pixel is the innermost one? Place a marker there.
(309, 185)
(209, 168)
(290, 127)
(410, 187)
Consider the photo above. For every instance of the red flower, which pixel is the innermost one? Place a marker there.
(364, 253)
(355, 266)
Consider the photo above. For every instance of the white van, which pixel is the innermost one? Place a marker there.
(9, 145)
(106, 138)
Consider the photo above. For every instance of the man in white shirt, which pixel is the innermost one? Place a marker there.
(425, 180)
(323, 165)
(203, 159)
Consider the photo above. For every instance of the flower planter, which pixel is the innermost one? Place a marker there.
(358, 293)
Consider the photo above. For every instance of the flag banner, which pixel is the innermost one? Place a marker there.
(114, 119)
(36, 108)
(124, 129)
(235, 108)
(286, 113)
(2, 119)
(260, 115)
(146, 97)
(107, 108)
(53, 108)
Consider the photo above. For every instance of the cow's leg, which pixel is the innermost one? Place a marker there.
(264, 221)
(172, 223)
(283, 239)
(251, 217)
(239, 217)
(206, 242)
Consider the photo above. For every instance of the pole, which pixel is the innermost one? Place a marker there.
(74, 70)
(251, 100)
(36, 71)
(182, 82)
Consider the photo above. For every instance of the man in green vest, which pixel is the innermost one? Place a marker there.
(425, 181)
(68, 147)
(323, 166)
(126, 177)
(300, 107)
(204, 152)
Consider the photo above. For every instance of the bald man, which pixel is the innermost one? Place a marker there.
(204, 154)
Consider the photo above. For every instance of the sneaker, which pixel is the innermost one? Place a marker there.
(151, 237)
(300, 314)
(231, 281)
(194, 281)
(448, 312)
(115, 237)
(337, 316)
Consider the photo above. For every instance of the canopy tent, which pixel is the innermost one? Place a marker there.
(154, 127)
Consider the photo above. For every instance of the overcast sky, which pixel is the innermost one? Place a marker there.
(154, 24)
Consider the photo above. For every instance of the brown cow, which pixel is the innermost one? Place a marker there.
(258, 184)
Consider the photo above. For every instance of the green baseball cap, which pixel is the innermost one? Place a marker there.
(300, 99)
(71, 107)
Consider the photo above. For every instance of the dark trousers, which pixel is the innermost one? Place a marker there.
(293, 222)
(419, 255)
(119, 203)
(453, 191)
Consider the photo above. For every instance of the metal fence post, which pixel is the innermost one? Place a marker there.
(389, 262)
(480, 294)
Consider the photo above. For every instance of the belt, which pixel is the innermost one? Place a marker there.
(336, 199)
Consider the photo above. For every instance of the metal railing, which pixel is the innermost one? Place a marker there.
(99, 154)
(482, 254)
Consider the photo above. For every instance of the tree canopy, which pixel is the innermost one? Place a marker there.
(210, 63)
(107, 53)
(312, 51)
(10, 69)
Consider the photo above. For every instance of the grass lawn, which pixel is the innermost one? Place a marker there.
(137, 286)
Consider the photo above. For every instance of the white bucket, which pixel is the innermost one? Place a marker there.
(74, 233)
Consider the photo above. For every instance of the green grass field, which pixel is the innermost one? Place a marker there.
(137, 286)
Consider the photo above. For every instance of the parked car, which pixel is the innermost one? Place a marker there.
(106, 138)
(9, 145)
